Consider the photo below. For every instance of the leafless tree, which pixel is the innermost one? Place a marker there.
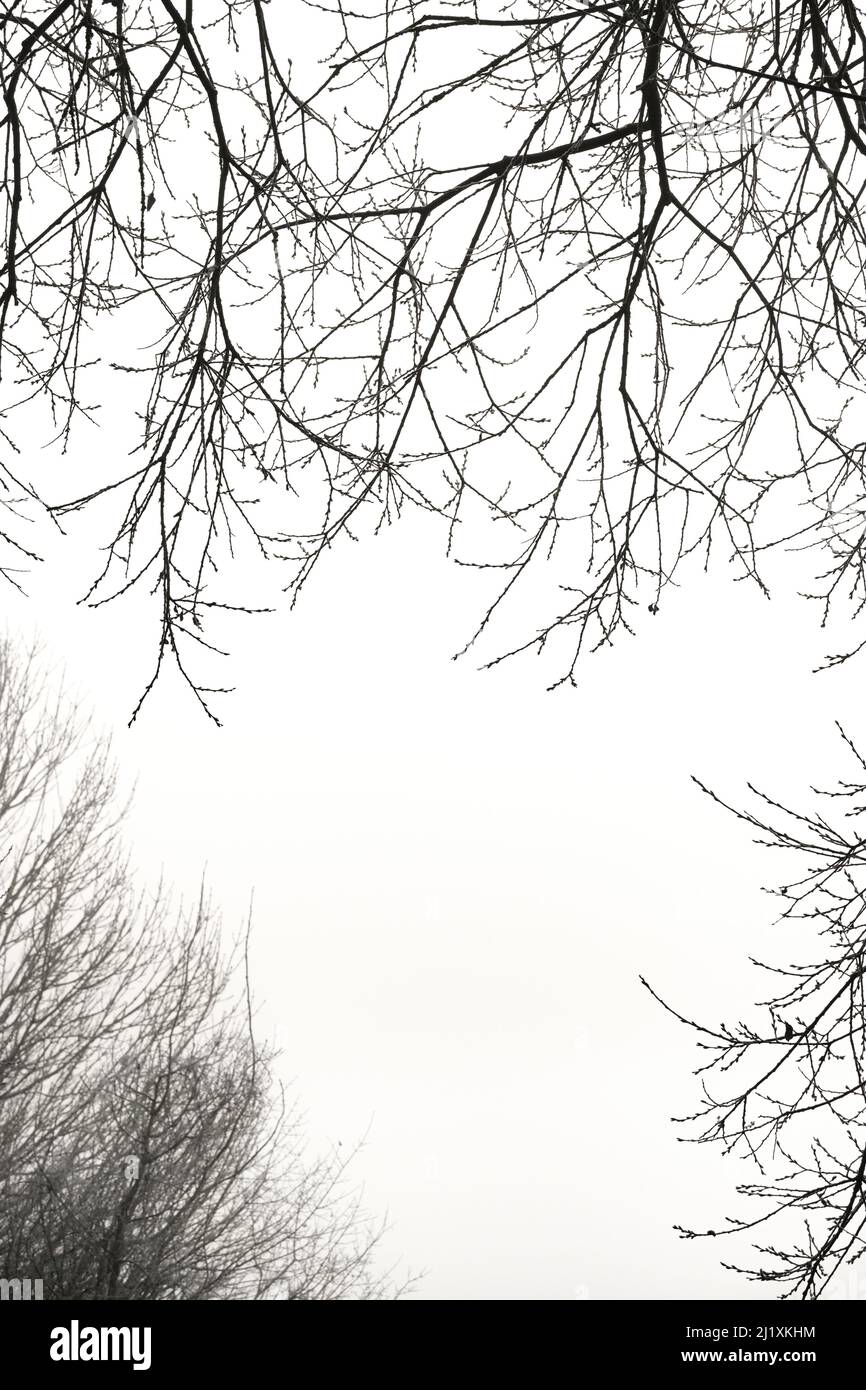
(146, 1150)
(596, 351)
(786, 1090)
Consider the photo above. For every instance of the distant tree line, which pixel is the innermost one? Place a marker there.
(146, 1148)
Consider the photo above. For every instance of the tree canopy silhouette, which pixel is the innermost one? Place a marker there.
(584, 281)
(785, 1089)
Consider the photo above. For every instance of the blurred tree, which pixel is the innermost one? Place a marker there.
(145, 1148)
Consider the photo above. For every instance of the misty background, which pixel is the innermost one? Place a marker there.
(458, 877)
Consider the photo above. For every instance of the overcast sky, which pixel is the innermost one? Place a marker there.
(458, 877)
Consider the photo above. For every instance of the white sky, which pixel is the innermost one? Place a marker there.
(458, 878)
